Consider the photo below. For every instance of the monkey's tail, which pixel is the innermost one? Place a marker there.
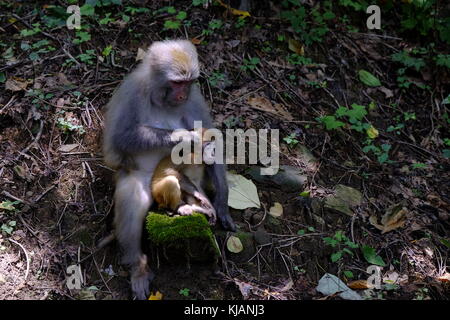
(106, 241)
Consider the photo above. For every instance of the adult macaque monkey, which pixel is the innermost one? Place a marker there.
(154, 100)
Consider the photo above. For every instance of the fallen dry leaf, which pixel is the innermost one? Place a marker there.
(445, 278)
(394, 218)
(233, 11)
(387, 92)
(264, 104)
(277, 210)
(296, 46)
(157, 296)
(16, 84)
(358, 285)
(140, 54)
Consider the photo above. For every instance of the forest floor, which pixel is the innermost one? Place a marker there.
(385, 143)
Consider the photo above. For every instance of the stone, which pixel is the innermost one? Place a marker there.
(288, 178)
(344, 199)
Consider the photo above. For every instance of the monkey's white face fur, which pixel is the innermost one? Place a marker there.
(176, 58)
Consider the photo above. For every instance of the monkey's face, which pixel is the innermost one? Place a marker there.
(178, 92)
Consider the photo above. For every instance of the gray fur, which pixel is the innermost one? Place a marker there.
(139, 121)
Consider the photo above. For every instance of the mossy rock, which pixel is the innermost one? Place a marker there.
(188, 237)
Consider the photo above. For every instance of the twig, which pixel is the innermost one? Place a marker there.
(36, 139)
(43, 194)
(9, 195)
(26, 255)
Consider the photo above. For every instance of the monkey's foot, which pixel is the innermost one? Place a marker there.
(227, 222)
(141, 276)
(185, 210)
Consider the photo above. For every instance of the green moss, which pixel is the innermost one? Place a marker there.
(189, 234)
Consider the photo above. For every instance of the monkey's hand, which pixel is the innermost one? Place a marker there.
(225, 218)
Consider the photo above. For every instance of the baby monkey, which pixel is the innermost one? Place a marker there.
(178, 187)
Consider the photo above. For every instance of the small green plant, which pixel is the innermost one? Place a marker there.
(42, 46)
(310, 24)
(240, 22)
(213, 25)
(250, 64)
(197, 3)
(419, 166)
(31, 32)
(88, 56)
(39, 98)
(296, 59)
(184, 292)
(216, 78)
(70, 124)
(299, 270)
(8, 227)
(291, 139)
(82, 36)
(382, 152)
(342, 243)
(8, 205)
(178, 18)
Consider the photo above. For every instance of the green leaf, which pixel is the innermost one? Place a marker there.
(348, 274)
(357, 112)
(371, 256)
(87, 10)
(330, 241)
(368, 79)
(348, 251)
(446, 100)
(181, 15)
(419, 166)
(184, 292)
(107, 51)
(169, 24)
(2, 77)
(336, 256)
(331, 123)
(305, 194)
(445, 242)
(171, 10)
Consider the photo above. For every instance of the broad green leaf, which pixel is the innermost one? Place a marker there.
(445, 242)
(336, 256)
(348, 274)
(87, 10)
(371, 256)
(368, 79)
